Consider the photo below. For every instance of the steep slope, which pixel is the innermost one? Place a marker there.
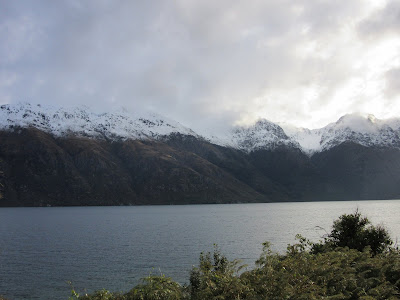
(56, 156)
(41, 170)
(364, 130)
(289, 168)
(353, 171)
(80, 121)
(236, 162)
(262, 135)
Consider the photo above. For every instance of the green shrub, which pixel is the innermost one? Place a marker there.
(355, 261)
(156, 288)
(341, 273)
(355, 232)
(217, 278)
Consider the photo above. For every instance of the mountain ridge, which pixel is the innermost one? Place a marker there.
(365, 130)
(59, 157)
(81, 121)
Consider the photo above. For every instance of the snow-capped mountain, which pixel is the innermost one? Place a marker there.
(263, 134)
(82, 122)
(365, 130)
(113, 166)
(361, 129)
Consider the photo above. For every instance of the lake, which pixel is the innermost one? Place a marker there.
(113, 247)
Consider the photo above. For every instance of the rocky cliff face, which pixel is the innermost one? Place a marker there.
(55, 157)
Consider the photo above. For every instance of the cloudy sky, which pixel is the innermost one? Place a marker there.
(305, 62)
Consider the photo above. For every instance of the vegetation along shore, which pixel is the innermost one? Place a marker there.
(356, 260)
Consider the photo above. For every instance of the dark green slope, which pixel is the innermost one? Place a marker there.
(352, 171)
(37, 169)
(235, 162)
(42, 170)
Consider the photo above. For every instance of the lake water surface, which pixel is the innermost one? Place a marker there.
(113, 247)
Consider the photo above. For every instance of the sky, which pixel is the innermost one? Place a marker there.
(205, 62)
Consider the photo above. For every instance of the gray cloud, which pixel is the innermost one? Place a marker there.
(383, 21)
(392, 88)
(222, 61)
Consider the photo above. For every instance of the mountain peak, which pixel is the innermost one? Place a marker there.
(363, 129)
(81, 121)
(365, 123)
(262, 135)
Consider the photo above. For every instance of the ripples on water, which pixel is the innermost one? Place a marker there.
(113, 247)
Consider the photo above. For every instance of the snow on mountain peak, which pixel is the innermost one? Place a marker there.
(359, 123)
(365, 130)
(82, 122)
(263, 134)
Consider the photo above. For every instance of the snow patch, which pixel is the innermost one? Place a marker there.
(121, 124)
(82, 122)
(262, 135)
(365, 130)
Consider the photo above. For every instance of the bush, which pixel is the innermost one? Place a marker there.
(356, 232)
(216, 278)
(355, 261)
(156, 288)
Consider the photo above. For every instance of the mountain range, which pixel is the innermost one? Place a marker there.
(54, 156)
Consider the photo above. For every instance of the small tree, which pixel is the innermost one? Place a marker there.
(217, 278)
(356, 232)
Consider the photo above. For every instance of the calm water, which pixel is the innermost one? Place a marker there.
(113, 247)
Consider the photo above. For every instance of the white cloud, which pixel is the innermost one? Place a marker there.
(392, 87)
(305, 62)
(383, 21)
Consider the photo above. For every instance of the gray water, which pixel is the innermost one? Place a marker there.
(113, 247)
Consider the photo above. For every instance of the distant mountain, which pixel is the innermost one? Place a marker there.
(73, 156)
(262, 135)
(364, 130)
(80, 121)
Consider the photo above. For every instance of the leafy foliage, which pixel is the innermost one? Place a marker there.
(355, 261)
(156, 288)
(342, 273)
(216, 278)
(152, 288)
(356, 232)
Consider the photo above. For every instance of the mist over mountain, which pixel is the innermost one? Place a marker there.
(74, 156)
